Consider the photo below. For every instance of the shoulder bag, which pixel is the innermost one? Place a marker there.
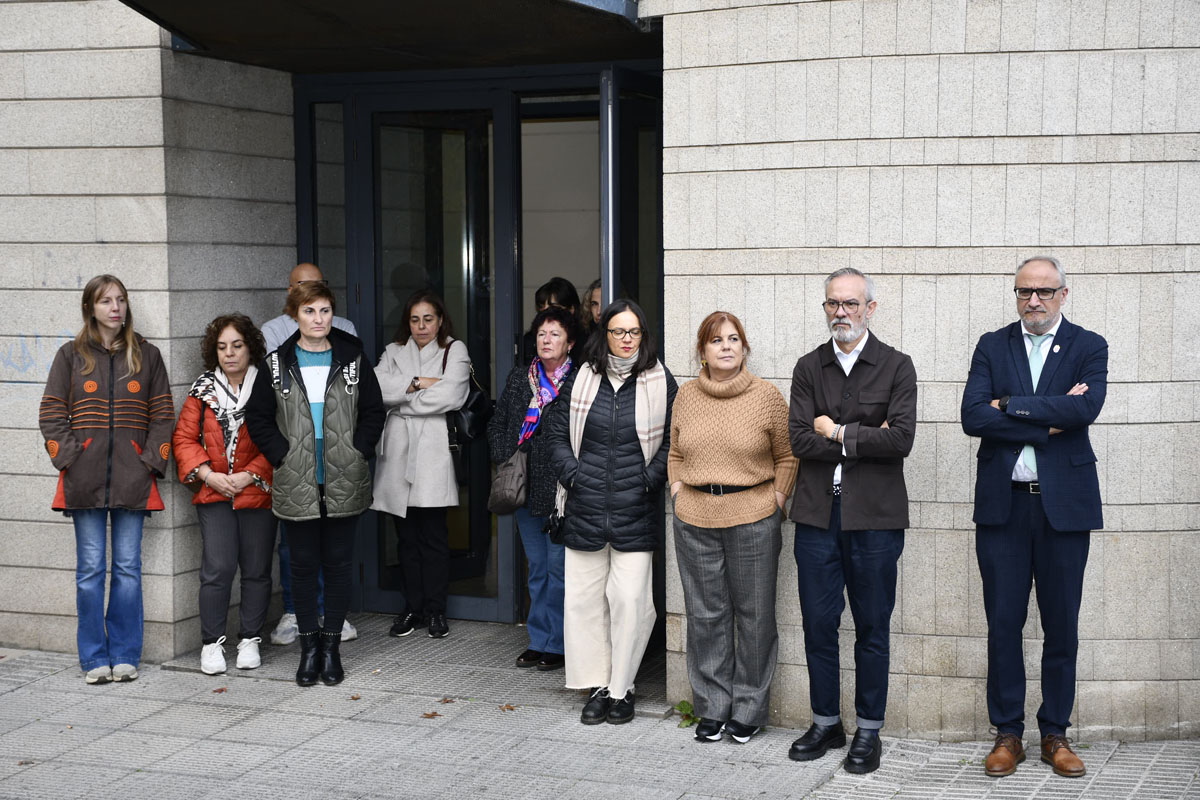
(468, 423)
(510, 485)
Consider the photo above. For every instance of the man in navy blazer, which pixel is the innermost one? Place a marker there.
(1034, 388)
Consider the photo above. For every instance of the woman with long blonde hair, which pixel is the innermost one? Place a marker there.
(107, 416)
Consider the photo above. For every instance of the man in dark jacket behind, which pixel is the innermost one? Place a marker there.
(852, 419)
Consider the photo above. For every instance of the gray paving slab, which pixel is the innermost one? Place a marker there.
(507, 733)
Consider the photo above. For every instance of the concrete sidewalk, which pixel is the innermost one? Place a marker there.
(453, 719)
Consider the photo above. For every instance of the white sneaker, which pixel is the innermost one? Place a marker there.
(286, 631)
(248, 657)
(98, 675)
(212, 658)
(124, 672)
(349, 632)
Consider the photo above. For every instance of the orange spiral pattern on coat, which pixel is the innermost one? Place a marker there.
(164, 450)
(134, 387)
(52, 448)
(90, 386)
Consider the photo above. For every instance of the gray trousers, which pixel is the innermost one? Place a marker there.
(245, 538)
(729, 579)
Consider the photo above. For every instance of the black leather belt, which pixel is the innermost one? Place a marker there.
(1032, 487)
(720, 489)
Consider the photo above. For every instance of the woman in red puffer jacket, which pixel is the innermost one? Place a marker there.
(232, 481)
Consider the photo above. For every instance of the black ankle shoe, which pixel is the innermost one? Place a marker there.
(405, 624)
(306, 673)
(709, 730)
(529, 658)
(816, 740)
(438, 629)
(595, 710)
(550, 662)
(864, 752)
(329, 659)
(621, 711)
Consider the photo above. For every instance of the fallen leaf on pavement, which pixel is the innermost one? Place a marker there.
(445, 700)
(24, 763)
(508, 707)
(355, 697)
(222, 690)
(430, 715)
(70, 727)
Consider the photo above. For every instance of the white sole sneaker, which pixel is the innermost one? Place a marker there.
(248, 656)
(349, 632)
(98, 675)
(286, 631)
(124, 672)
(212, 658)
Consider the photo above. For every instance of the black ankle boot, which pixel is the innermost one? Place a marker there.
(330, 659)
(306, 673)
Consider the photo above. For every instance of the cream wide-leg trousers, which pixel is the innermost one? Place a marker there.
(608, 616)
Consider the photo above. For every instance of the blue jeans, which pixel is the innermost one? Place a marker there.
(545, 621)
(106, 639)
(285, 576)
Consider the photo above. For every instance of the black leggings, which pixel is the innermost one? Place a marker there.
(424, 548)
(326, 544)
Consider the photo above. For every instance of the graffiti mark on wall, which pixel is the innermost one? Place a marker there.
(29, 357)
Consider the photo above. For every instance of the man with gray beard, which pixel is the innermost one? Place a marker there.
(852, 420)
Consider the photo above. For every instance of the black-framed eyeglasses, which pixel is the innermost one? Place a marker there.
(1043, 292)
(621, 333)
(851, 306)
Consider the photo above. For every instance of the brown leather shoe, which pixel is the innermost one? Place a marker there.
(1008, 751)
(1057, 752)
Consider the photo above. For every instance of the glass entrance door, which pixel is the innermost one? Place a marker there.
(431, 178)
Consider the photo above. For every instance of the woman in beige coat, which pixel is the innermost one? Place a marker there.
(423, 374)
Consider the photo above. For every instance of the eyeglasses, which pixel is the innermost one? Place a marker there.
(831, 306)
(621, 333)
(315, 282)
(1043, 293)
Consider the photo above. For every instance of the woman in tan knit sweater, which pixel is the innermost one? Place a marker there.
(731, 469)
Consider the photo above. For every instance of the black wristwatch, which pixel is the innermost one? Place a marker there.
(1003, 403)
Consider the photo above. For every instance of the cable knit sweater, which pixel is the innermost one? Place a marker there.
(733, 433)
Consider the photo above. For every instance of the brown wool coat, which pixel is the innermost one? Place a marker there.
(108, 433)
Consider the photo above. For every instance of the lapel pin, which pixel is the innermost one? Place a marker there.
(1057, 348)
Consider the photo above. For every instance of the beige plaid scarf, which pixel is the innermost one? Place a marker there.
(650, 413)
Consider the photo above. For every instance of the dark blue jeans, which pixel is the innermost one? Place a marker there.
(546, 559)
(863, 563)
(115, 637)
(1011, 557)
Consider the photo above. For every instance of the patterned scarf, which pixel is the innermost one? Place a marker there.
(545, 389)
(229, 407)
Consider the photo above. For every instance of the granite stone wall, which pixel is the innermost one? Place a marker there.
(935, 144)
(174, 173)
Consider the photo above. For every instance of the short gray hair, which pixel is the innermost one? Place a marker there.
(844, 271)
(1062, 275)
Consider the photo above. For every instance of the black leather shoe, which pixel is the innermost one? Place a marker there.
(595, 710)
(621, 711)
(330, 659)
(529, 658)
(306, 673)
(816, 740)
(405, 624)
(709, 730)
(550, 662)
(864, 752)
(438, 629)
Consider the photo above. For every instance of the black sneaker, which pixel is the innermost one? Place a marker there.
(595, 710)
(529, 658)
(405, 624)
(740, 733)
(709, 730)
(621, 711)
(438, 629)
